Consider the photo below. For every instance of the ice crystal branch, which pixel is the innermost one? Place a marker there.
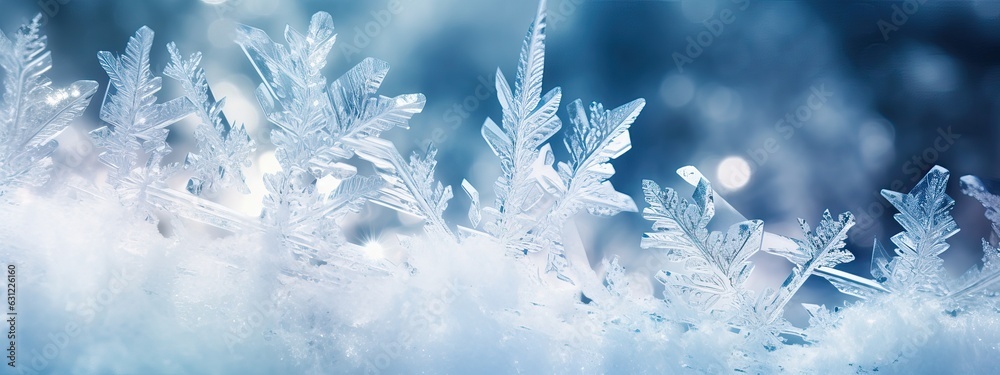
(981, 191)
(134, 141)
(410, 187)
(716, 264)
(320, 125)
(304, 212)
(293, 95)
(224, 150)
(591, 143)
(32, 112)
(529, 120)
(822, 248)
(925, 215)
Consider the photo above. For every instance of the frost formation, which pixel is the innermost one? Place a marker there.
(333, 304)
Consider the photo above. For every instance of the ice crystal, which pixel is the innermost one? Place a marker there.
(981, 280)
(822, 248)
(716, 264)
(529, 120)
(302, 211)
(319, 126)
(33, 112)
(925, 215)
(614, 278)
(533, 200)
(224, 149)
(985, 193)
(591, 143)
(707, 319)
(410, 187)
(134, 141)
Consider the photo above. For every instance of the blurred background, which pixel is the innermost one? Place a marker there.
(790, 107)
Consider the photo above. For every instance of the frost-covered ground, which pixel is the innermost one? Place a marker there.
(100, 292)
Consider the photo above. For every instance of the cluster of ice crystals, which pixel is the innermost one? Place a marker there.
(916, 268)
(320, 126)
(468, 291)
(32, 112)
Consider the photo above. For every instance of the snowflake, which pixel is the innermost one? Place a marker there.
(708, 317)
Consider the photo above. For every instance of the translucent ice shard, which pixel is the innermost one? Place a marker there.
(925, 214)
(224, 150)
(32, 112)
(529, 120)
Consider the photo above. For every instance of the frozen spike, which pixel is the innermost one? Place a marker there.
(925, 215)
(880, 263)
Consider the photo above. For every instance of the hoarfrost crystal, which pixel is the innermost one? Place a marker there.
(533, 200)
(33, 112)
(320, 125)
(225, 150)
(135, 139)
(522, 290)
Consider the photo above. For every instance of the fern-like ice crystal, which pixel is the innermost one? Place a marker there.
(32, 112)
(134, 141)
(320, 126)
(224, 150)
